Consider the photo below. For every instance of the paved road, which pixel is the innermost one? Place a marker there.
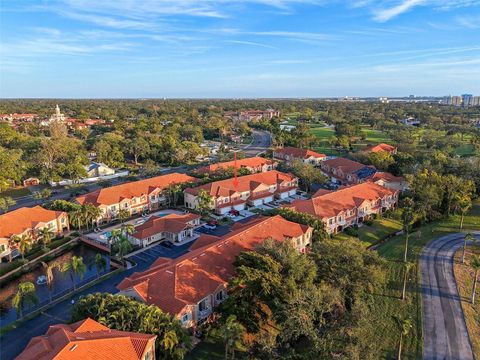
(444, 329)
(261, 142)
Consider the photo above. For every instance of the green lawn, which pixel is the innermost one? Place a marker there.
(15, 193)
(207, 351)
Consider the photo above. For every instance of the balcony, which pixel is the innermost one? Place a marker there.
(203, 314)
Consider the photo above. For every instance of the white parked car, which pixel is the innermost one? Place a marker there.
(210, 227)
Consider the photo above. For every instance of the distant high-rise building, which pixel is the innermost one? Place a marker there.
(467, 100)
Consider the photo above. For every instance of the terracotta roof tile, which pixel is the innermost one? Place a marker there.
(173, 223)
(252, 162)
(114, 194)
(380, 147)
(299, 153)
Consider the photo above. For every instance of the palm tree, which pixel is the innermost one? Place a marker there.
(407, 268)
(6, 202)
(475, 264)
(49, 274)
(23, 242)
(407, 218)
(76, 266)
(465, 204)
(232, 332)
(76, 218)
(91, 214)
(25, 296)
(123, 215)
(405, 326)
(468, 237)
(100, 263)
(128, 229)
(46, 234)
(122, 246)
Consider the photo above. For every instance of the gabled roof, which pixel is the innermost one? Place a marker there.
(86, 339)
(347, 166)
(245, 183)
(115, 194)
(252, 162)
(19, 220)
(380, 147)
(172, 223)
(173, 284)
(386, 176)
(328, 204)
(299, 153)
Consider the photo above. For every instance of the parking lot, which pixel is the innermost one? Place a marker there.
(146, 257)
(220, 230)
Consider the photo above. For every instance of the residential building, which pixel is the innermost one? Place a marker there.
(347, 206)
(381, 147)
(389, 181)
(88, 339)
(346, 171)
(253, 164)
(252, 115)
(135, 197)
(56, 117)
(190, 286)
(177, 228)
(291, 153)
(98, 169)
(26, 220)
(250, 190)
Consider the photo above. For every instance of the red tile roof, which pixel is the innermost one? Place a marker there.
(346, 165)
(380, 147)
(17, 221)
(252, 162)
(245, 183)
(115, 194)
(172, 223)
(329, 204)
(86, 339)
(173, 284)
(299, 153)
(386, 176)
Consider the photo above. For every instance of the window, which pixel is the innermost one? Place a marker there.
(202, 305)
(185, 317)
(2, 248)
(113, 208)
(126, 205)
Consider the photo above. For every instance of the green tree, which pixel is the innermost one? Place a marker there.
(77, 218)
(407, 219)
(204, 201)
(468, 237)
(75, 267)
(405, 325)
(25, 296)
(121, 246)
(100, 263)
(50, 276)
(6, 202)
(407, 267)
(231, 332)
(138, 147)
(307, 174)
(464, 204)
(123, 215)
(45, 235)
(23, 243)
(475, 264)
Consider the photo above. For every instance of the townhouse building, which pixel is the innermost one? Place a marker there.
(88, 339)
(177, 228)
(191, 286)
(250, 190)
(348, 206)
(306, 156)
(134, 197)
(29, 221)
(345, 171)
(254, 165)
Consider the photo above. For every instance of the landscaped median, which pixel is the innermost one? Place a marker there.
(464, 276)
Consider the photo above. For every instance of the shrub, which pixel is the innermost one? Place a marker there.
(351, 231)
(368, 222)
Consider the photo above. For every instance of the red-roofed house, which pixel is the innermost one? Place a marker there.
(88, 339)
(28, 221)
(193, 284)
(347, 206)
(307, 156)
(253, 164)
(346, 171)
(172, 227)
(252, 190)
(135, 196)
(389, 181)
(381, 147)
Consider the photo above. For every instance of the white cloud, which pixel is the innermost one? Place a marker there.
(250, 43)
(386, 14)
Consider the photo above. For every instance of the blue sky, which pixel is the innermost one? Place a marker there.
(241, 48)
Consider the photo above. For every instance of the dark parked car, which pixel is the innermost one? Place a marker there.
(167, 244)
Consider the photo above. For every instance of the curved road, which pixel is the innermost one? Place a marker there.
(261, 142)
(444, 330)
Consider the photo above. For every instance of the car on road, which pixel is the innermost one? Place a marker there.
(210, 226)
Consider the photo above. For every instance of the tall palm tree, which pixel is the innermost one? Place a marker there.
(406, 270)
(75, 266)
(24, 243)
(475, 264)
(49, 274)
(45, 235)
(123, 215)
(91, 214)
(128, 229)
(407, 218)
(100, 263)
(468, 237)
(76, 218)
(25, 296)
(122, 247)
(232, 335)
(405, 326)
(465, 204)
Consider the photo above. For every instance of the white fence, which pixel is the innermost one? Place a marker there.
(89, 180)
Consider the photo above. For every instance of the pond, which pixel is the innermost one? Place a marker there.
(62, 282)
